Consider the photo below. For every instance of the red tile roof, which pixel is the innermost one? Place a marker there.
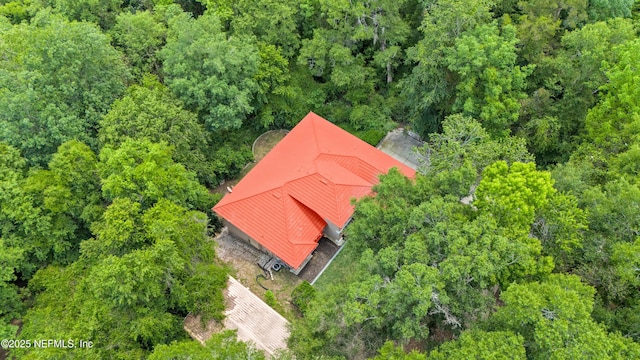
(307, 179)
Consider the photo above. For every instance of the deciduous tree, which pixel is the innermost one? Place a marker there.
(210, 72)
(140, 36)
(149, 111)
(490, 85)
(145, 172)
(56, 81)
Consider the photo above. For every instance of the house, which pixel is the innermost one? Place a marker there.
(302, 190)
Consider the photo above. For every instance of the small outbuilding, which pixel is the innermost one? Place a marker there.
(302, 190)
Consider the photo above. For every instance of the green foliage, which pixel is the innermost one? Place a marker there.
(10, 303)
(270, 299)
(145, 172)
(555, 114)
(230, 159)
(279, 99)
(542, 23)
(560, 225)
(271, 21)
(152, 112)
(302, 296)
(114, 252)
(490, 83)
(612, 210)
(613, 123)
(626, 259)
(210, 73)
(221, 346)
(56, 81)
(430, 88)
(373, 136)
(203, 291)
(605, 9)
(513, 193)
(355, 47)
(477, 344)
(430, 263)
(223, 9)
(48, 212)
(133, 285)
(464, 142)
(100, 12)
(390, 352)
(119, 231)
(554, 319)
(140, 36)
(15, 11)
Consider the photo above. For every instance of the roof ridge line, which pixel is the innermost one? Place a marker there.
(248, 197)
(315, 137)
(301, 203)
(349, 170)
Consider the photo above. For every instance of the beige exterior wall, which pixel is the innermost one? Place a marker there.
(334, 232)
(246, 238)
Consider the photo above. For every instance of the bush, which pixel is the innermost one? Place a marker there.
(372, 136)
(270, 299)
(229, 161)
(302, 295)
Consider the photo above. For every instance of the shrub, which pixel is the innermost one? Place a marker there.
(302, 295)
(372, 136)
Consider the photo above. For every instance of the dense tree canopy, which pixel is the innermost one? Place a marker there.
(56, 80)
(210, 73)
(518, 237)
(152, 112)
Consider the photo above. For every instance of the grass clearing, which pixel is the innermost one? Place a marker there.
(340, 270)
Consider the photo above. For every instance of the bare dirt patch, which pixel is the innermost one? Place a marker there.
(243, 260)
(321, 256)
(193, 326)
(265, 142)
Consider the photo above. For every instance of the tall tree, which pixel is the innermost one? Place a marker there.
(430, 88)
(48, 213)
(613, 123)
(482, 345)
(272, 22)
(140, 36)
(553, 118)
(490, 85)
(541, 25)
(10, 303)
(605, 9)
(554, 318)
(222, 346)
(210, 72)
(56, 80)
(150, 111)
(133, 285)
(513, 193)
(430, 263)
(465, 147)
(356, 50)
(145, 172)
(102, 13)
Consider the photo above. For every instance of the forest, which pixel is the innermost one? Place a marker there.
(117, 118)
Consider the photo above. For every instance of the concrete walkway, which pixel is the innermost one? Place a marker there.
(254, 320)
(401, 146)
